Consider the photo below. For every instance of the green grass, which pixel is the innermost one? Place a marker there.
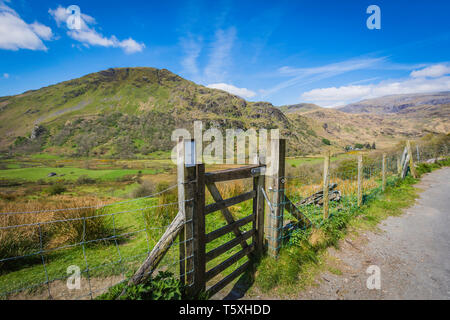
(68, 173)
(303, 259)
(102, 257)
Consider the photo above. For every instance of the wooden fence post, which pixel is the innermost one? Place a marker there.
(278, 153)
(383, 172)
(187, 151)
(326, 182)
(181, 206)
(258, 210)
(360, 183)
(411, 160)
(199, 231)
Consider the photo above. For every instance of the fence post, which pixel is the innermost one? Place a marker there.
(383, 172)
(189, 175)
(199, 231)
(399, 166)
(258, 210)
(411, 160)
(418, 154)
(278, 153)
(181, 207)
(326, 182)
(360, 187)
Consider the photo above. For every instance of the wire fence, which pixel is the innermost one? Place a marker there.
(43, 251)
(343, 195)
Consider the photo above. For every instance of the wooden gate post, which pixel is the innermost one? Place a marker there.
(411, 160)
(181, 206)
(360, 173)
(278, 153)
(383, 172)
(258, 210)
(187, 177)
(199, 231)
(326, 182)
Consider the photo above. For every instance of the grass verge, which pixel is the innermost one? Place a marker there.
(305, 256)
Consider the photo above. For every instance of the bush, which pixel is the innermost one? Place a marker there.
(326, 141)
(84, 179)
(146, 188)
(57, 189)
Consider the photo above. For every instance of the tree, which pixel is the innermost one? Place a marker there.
(373, 146)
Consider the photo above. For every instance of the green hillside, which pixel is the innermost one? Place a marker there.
(128, 112)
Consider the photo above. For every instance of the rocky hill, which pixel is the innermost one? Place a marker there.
(130, 111)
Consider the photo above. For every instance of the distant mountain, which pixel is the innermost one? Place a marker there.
(384, 120)
(128, 111)
(402, 103)
(299, 108)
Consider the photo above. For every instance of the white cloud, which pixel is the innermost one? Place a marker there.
(6, 75)
(433, 71)
(334, 96)
(87, 35)
(242, 92)
(16, 34)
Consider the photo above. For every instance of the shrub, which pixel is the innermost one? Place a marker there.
(56, 189)
(163, 287)
(84, 179)
(326, 141)
(146, 188)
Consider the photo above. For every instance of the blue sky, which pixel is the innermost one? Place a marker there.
(284, 52)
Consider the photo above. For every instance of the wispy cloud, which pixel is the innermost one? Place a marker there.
(241, 92)
(6, 75)
(192, 47)
(430, 79)
(309, 75)
(16, 34)
(220, 56)
(88, 36)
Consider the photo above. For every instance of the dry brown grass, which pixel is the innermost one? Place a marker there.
(32, 232)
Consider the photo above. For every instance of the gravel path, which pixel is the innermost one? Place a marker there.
(412, 252)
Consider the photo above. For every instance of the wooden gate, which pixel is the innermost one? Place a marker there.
(201, 238)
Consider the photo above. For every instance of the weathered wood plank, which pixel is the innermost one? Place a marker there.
(199, 231)
(360, 175)
(292, 209)
(159, 250)
(225, 212)
(229, 228)
(230, 174)
(229, 202)
(227, 246)
(326, 179)
(260, 181)
(223, 283)
(189, 191)
(227, 263)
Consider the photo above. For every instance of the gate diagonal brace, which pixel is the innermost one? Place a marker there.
(226, 213)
